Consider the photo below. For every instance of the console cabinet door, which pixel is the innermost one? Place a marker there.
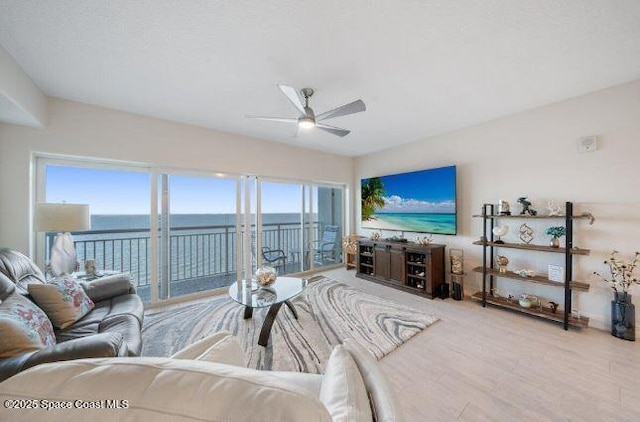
(397, 265)
(382, 262)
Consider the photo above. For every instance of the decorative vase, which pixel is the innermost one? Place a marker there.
(555, 242)
(623, 317)
(266, 276)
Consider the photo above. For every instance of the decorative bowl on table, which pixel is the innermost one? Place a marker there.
(266, 276)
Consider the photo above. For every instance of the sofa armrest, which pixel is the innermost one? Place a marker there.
(384, 399)
(108, 287)
(95, 346)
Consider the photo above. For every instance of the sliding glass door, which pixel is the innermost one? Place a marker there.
(198, 233)
(182, 233)
(280, 231)
(329, 220)
(301, 225)
(119, 201)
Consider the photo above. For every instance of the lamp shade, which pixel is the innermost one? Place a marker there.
(61, 218)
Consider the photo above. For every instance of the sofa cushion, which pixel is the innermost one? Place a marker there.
(129, 327)
(161, 389)
(19, 269)
(106, 316)
(7, 287)
(343, 391)
(220, 347)
(23, 327)
(63, 300)
(385, 402)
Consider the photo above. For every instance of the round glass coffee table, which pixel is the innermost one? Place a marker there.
(280, 292)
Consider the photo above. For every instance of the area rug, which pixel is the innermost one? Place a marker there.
(328, 312)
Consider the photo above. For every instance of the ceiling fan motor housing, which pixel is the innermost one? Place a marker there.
(306, 92)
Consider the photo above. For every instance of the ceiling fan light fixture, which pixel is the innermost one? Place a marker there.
(306, 123)
(307, 118)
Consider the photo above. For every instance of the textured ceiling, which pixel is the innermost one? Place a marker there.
(423, 67)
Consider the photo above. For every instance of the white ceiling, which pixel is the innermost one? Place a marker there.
(422, 67)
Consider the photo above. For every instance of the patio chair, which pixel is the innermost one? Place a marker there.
(325, 249)
(275, 257)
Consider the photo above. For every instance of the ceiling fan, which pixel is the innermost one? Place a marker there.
(307, 118)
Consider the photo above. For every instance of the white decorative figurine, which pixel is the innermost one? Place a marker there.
(554, 209)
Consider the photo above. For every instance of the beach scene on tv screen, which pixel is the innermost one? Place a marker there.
(421, 201)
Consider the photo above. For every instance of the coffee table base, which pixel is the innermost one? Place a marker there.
(265, 332)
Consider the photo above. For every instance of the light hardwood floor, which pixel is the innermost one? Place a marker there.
(487, 364)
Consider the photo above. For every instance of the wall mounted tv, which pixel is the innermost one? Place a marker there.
(420, 201)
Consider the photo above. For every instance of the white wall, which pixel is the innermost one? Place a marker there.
(21, 101)
(534, 154)
(82, 130)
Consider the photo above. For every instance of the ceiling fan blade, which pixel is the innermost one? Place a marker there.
(343, 110)
(273, 119)
(292, 96)
(333, 130)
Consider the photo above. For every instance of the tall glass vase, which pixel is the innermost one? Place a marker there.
(623, 317)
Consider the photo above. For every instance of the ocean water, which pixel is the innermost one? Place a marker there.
(118, 222)
(415, 222)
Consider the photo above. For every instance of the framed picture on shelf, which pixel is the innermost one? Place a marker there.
(456, 257)
(556, 273)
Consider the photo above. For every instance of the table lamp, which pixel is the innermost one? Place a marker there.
(62, 218)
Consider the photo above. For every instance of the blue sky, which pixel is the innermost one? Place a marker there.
(127, 192)
(424, 191)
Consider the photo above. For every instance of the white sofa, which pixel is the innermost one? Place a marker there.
(207, 381)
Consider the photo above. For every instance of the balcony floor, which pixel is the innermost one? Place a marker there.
(204, 283)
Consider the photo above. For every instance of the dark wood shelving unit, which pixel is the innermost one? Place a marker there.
(491, 274)
(575, 285)
(533, 217)
(540, 248)
(546, 313)
(408, 266)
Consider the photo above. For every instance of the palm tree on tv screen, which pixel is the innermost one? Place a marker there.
(372, 197)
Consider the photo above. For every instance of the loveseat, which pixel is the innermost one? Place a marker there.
(207, 381)
(110, 327)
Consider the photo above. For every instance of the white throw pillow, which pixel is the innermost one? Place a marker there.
(343, 391)
(220, 347)
(227, 351)
(63, 300)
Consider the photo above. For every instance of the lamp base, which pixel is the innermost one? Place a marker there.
(63, 257)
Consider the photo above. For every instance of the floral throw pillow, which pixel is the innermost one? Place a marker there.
(63, 300)
(23, 327)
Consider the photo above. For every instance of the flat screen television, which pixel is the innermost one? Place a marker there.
(420, 201)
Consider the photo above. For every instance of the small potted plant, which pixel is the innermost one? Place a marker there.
(620, 276)
(556, 232)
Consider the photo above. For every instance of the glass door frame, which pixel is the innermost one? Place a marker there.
(163, 174)
(306, 193)
(39, 175)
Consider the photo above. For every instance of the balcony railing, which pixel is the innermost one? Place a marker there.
(205, 251)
